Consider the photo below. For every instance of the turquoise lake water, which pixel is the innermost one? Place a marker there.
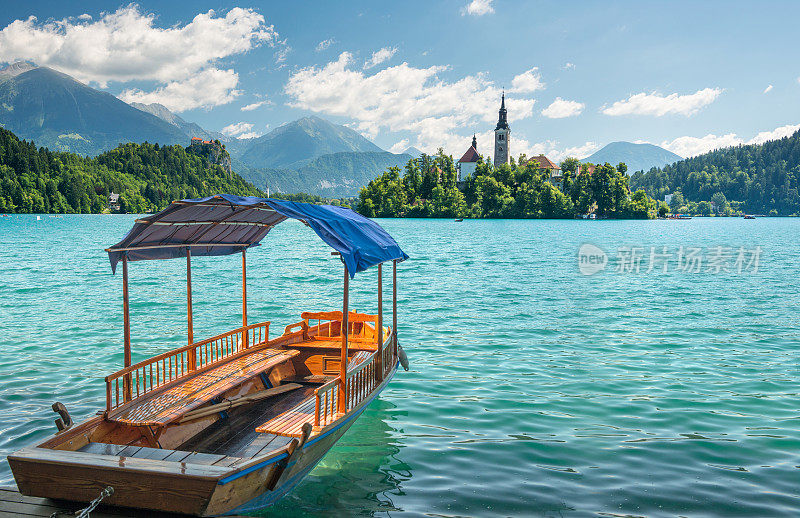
(534, 390)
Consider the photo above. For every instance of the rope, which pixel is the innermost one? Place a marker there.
(84, 513)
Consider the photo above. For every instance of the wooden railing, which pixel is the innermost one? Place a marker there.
(356, 330)
(361, 381)
(148, 375)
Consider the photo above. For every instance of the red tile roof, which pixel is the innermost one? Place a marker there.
(470, 156)
(544, 162)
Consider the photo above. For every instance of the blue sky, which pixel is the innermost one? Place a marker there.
(690, 76)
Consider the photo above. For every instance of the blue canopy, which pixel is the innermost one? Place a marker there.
(225, 224)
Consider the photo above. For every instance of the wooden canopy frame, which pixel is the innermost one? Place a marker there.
(342, 400)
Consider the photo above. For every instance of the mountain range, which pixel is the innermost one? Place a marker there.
(638, 157)
(308, 155)
(55, 110)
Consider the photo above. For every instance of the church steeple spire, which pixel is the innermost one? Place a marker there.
(502, 135)
(502, 120)
(474, 142)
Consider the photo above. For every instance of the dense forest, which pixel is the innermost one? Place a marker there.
(427, 188)
(757, 178)
(146, 176)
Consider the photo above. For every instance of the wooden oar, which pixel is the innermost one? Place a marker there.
(238, 401)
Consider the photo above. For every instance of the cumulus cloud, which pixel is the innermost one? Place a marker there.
(555, 152)
(478, 8)
(379, 56)
(688, 146)
(252, 106)
(126, 45)
(527, 82)
(400, 146)
(206, 88)
(768, 89)
(241, 130)
(324, 44)
(659, 105)
(403, 98)
(561, 108)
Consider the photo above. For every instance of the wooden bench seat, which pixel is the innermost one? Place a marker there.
(167, 406)
(290, 423)
(143, 452)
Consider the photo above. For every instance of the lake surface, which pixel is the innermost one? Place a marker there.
(534, 390)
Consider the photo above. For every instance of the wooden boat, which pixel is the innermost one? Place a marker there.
(228, 424)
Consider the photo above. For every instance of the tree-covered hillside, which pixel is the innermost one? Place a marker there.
(146, 176)
(763, 178)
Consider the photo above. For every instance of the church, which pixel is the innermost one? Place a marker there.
(502, 141)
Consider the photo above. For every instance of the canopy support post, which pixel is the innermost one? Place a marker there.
(192, 352)
(394, 308)
(379, 357)
(244, 298)
(126, 381)
(341, 405)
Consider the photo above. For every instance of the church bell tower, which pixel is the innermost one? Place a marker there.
(502, 135)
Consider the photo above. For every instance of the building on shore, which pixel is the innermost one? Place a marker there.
(113, 202)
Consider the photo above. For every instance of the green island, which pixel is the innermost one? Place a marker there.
(521, 189)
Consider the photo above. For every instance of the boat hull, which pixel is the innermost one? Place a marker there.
(307, 457)
(192, 489)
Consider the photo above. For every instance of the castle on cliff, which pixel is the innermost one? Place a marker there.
(213, 150)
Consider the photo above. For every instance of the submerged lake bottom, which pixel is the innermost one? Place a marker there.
(661, 381)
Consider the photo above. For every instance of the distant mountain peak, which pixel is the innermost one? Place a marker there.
(296, 143)
(637, 157)
(16, 68)
(413, 152)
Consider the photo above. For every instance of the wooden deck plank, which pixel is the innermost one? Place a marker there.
(169, 405)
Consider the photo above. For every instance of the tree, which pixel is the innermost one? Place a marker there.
(676, 202)
(720, 202)
(663, 210)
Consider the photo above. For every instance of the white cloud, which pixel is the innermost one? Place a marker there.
(283, 52)
(692, 146)
(324, 44)
(241, 130)
(403, 98)
(569, 66)
(768, 89)
(553, 150)
(527, 82)
(85, 16)
(379, 56)
(127, 46)
(659, 105)
(561, 108)
(400, 146)
(777, 133)
(252, 106)
(478, 8)
(206, 88)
